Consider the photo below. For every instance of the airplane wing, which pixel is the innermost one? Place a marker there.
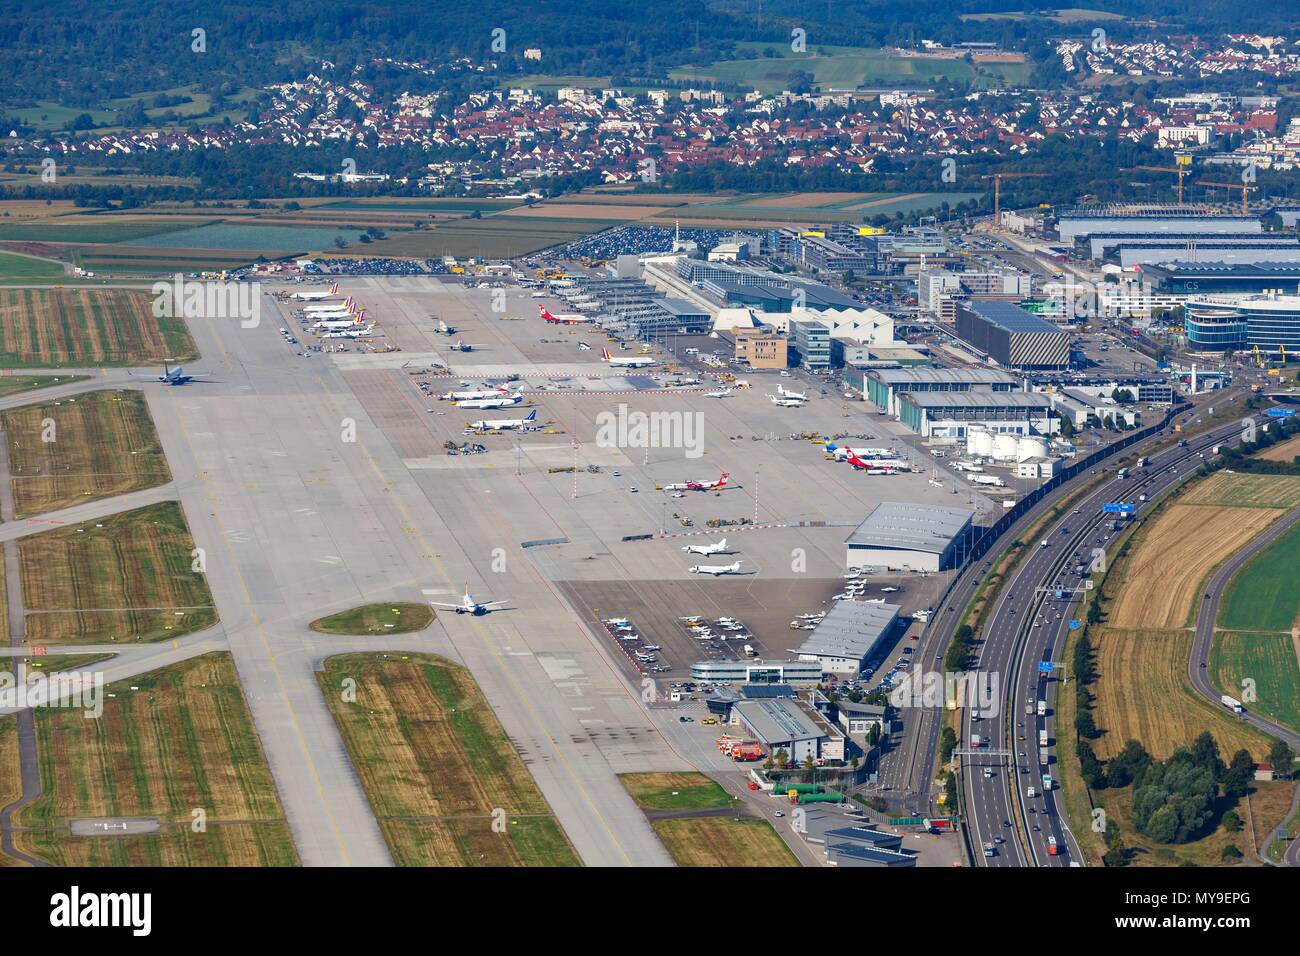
(440, 604)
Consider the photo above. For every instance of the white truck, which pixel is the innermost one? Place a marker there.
(1232, 704)
(1042, 708)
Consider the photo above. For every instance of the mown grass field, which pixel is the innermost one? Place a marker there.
(15, 268)
(1271, 661)
(437, 766)
(1142, 693)
(104, 443)
(13, 384)
(127, 577)
(712, 841)
(1246, 491)
(184, 740)
(87, 327)
(11, 784)
(397, 618)
(1265, 594)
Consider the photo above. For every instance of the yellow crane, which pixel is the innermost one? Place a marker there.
(997, 191)
(1244, 187)
(1182, 167)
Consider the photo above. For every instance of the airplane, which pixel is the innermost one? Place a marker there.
(566, 319)
(786, 393)
(445, 329)
(505, 424)
(344, 306)
(353, 333)
(176, 376)
(503, 401)
(617, 621)
(315, 296)
(786, 402)
(716, 569)
(626, 361)
(722, 394)
(651, 647)
(890, 590)
(584, 346)
(700, 485)
(468, 605)
(471, 395)
(461, 346)
(707, 549)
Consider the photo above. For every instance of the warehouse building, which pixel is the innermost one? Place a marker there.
(1103, 244)
(1201, 278)
(907, 537)
(953, 414)
(782, 724)
(1145, 253)
(883, 387)
(1201, 220)
(1013, 337)
(846, 638)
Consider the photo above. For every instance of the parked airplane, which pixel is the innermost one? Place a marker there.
(617, 621)
(564, 319)
(316, 296)
(176, 376)
(503, 401)
(505, 424)
(841, 452)
(880, 466)
(700, 485)
(462, 346)
(445, 329)
(475, 394)
(722, 394)
(786, 393)
(468, 605)
(626, 361)
(786, 402)
(707, 549)
(716, 569)
(344, 306)
(352, 333)
(890, 590)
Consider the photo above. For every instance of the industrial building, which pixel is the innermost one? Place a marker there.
(905, 537)
(762, 348)
(782, 724)
(1102, 245)
(1013, 337)
(953, 414)
(849, 634)
(757, 672)
(1146, 253)
(1201, 278)
(883, 387)
(1270, 322)
(1195, 219)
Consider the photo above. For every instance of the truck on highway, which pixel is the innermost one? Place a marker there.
(1042, 738)
(1232, 704)
(974, 741)
(1052, 849)
(1122, 473)
(1044, 543)
(1042, 707)
(1047, 782)
(990, 849)
(1142, 463)
(1044, 756)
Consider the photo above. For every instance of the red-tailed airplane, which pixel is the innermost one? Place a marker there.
(873, 467)
(566, 319)
(700, 485)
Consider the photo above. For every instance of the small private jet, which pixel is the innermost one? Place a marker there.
(707, 549)
(716, 569)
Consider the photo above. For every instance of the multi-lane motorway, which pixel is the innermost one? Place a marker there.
(1029, 625)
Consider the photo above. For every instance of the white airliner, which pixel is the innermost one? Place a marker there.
(344, 306)
(503, 401)
(564, 319)
(786, 402)
(890, 590)
(468, 605)
(352, 333)
(475, 394)
(333, 325)
(445, 329)
(316, 296)
(707, 549)
(716, 569)
(626, 361)
(722, 394)
(786, 393)
(505, 424)
(700, 485)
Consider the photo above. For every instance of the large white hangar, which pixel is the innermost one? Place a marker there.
(910, 537)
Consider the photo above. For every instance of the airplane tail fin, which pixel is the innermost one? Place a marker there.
(532, 416)
(334, 288)
(726, 476)
(604, 354)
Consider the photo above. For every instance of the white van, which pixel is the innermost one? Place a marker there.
(1031, 793)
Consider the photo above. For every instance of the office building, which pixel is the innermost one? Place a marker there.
(1013, 337)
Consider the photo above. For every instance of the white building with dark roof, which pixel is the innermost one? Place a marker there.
(901, 536)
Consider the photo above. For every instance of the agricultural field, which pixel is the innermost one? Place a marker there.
(91, 229)
(104, 444)
(707, 839)
(1263, 595)
(1186, 543)
(376, 619)
(1283, 451)
(126, 577)
(437, 767)
(70, 327)
(774, 65)
(1142, 693)
(1246, 491)
(496, 237)
(250, 235)
(16, 268)
(168, 742)
(1272, 661)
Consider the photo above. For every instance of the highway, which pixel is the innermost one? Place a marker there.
(1029, 625)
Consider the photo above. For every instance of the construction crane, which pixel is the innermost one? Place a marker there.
(997, 191)
(1245, 189)
(1182, 166)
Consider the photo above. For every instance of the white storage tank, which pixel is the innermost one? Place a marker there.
(979, 443)
(1005, 447)
(1031, 447)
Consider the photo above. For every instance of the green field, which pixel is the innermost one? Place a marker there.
(13, 384)
(1270, 660)
(844, 68)
(1264, 595)
(14, 268)
(675, 791)
(247, 235)
(394, 618)
(95, 229)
